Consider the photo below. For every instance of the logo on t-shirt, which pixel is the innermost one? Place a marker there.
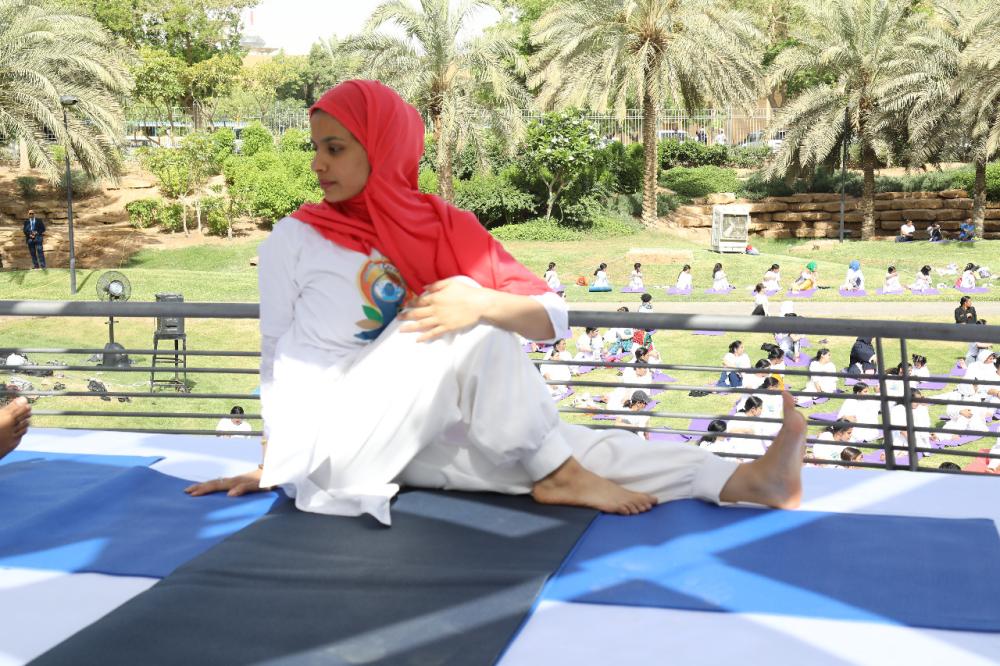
(384, 293)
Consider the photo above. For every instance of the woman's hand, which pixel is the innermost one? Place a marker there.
(447, 306)
(234, 486)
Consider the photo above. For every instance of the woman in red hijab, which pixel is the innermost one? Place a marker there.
(356, 399)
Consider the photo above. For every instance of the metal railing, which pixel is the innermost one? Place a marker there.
(236, 363)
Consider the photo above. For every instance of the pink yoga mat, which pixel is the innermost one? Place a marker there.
(851, 293)
(808, 293)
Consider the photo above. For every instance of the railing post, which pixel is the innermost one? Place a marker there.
(911, 437)
(890, 455)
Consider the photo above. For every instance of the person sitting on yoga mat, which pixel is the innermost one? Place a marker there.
(839, 432)
(855, 279)
(635, 282)
(851, 454)
(772, 279)
(968, 278)
(923, 280)
(719, 280)
(776, 357)
(551, 277)
(736, 360)
(918, 367)
(862, 357)
(684, 279)
(636, 403)
(934, 233)
(748, 446)
(857, 410)
(771, 404)
(639, 372)
(557, 373)
(760, 301)
(707, 440)
(967, 231)
(907, 232)
(380, 280)
(589, 346)
(646, 303)
(890, 284)
(807, 279)
(822, 362)
(15, 417)
(601, 280)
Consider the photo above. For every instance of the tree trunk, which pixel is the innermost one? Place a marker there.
(650, 109)
(868, 162)
(197, 215)
(184, 219)
(979, 199)
(24, 162)
(446, 185)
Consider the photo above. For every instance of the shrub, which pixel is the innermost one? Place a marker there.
(493, 199)
(269, 185)
(543, 229)
(83, 185)
(560, 149)
(214, 216)
(256, 138)
(144, 213)
(668, 203)
(700, 181)
(295, 139)
(171, 217)
(993, 182)
(625, 205)
(673, 153)
(748, 157)
(621, 167)
(28, 186)
(581, 212)
(223, 142)
(427, 181)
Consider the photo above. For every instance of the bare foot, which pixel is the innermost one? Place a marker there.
(774, 479)
(14, 420)
(573, 485)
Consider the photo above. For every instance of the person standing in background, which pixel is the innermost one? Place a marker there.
(34, 230)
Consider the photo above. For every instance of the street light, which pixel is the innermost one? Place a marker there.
(68, 101)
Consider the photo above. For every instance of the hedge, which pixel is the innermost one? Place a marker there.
(700, 181)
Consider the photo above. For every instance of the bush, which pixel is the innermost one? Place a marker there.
(493, 199)
(625, 205)
(542, 229)
(223, 143)
(28, 186)
(269, 185)
(83, 185)
(581, 212)
(993, 182)
(171, 217)
(667, 203)
(295, 139)
(256, 138)
(144, 213)
(673, 153)
(427, 181)
(700, 181)
(621, 167)
(214, 216)
(748, 157)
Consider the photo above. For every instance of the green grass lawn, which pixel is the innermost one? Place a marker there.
(225, 274)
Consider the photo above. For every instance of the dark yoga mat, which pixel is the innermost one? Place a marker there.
(67, 515)
(695, 556)
(449, 583)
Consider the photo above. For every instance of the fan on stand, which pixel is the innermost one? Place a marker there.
(114, 287)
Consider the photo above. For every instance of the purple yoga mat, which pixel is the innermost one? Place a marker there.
(667, 437)
(674, 291)
(932, 386)
(812, 402)
(802, 362)
(808, 293)
(824, 416)
(964, 439)
(719, 291)
(565, 394)
(875, 457)
(957, 371)
(700, 425)
(851, 381)
(541, 348)
(772, 292)
(630, 290)
(853, 293)
(612, 417)
(883, 292)
(707, 332)
(925, 292)
(974, 290)
(662, 377)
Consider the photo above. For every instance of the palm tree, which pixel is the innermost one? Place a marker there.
(459, 86)
(47, 51)
(952, 91)
(858, 46)
(603, 53)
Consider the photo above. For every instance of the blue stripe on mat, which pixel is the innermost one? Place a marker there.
(114, 461)
(886, 569)
(68, 515)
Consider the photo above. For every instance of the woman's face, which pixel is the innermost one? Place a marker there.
(825, 358)
(739, 350)
(340, 163)
(561, 346)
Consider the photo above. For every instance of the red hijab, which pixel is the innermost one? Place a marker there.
(425, 237)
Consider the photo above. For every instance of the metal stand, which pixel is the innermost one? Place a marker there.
(169, 358)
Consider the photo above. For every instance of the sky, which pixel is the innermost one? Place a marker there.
(294, 25)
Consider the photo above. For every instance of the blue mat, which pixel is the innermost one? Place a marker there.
(67, 515)
(18, 456)
(885, 569)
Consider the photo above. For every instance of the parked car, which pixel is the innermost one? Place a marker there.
(756, 140)
(676, 135)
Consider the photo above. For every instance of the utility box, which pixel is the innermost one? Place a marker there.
(730, 227)
(167, 327)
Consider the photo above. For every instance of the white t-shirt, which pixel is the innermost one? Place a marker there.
(552, 279)
(761, 299)
(921, 283)
(601, 279)
(892, 283)
(719, 281)
(226, 426)
(827, 451)
(635, 280)
(824, 384)
(855, 280)
(683, 281)
(772, 280)
(731, 360)
(968, 280)
(907, 229)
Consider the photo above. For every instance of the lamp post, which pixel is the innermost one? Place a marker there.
(68, 101)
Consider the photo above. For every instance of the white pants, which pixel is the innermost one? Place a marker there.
(470, 413)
